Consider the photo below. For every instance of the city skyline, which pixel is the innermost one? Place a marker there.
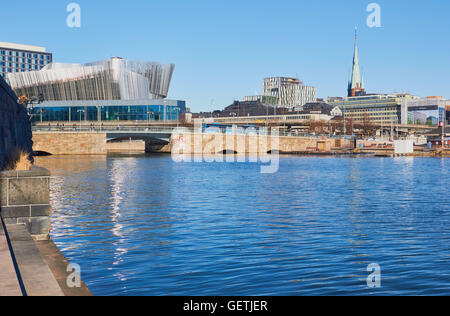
(223, 51)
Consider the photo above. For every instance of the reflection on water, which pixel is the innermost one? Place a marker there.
(146, 225)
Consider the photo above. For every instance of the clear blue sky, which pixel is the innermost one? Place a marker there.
(223, 49)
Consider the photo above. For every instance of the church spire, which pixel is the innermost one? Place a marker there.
(356, 84)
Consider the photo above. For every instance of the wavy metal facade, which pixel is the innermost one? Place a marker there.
(114, 79)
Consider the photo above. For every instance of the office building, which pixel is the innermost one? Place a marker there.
(431, 107)
(290, 92)
(262, 98)
(110, 90)
(16, 58)
(379, 109)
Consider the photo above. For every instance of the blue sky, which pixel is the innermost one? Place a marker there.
(223, 49)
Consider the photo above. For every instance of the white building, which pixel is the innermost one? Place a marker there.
(291, 92)
(20, 58)
(336, 111)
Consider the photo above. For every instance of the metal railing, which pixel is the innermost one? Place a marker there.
(164, 130)
(103, 129)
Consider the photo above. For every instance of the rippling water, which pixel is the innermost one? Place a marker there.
(144, 225)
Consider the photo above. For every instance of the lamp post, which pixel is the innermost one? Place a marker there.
(80, 111)
(164, 114)
(345, 123)
(443, 127)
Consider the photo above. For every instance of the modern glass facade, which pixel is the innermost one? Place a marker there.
(17, 58)
(429, 110)
(114, 79)
(170, 111)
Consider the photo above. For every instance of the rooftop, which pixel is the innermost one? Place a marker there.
(24, 47)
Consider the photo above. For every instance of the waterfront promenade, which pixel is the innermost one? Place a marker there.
(32, 268)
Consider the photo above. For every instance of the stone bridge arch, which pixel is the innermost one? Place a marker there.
(152, 144)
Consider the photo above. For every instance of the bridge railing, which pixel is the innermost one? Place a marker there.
(147, 129)
(102, 129)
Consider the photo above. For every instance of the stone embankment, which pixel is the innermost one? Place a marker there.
(30, 263)
(15, 127)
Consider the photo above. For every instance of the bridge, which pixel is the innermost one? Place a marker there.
(81, 139)
(93, 138)
(112, 132)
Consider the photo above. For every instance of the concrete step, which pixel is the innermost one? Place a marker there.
(37, 278)
(9, 284)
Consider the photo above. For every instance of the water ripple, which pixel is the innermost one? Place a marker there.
(143, 225)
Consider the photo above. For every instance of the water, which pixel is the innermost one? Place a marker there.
(144, 225)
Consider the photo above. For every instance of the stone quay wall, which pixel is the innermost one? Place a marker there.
(25, 199)
(70, 143)
(245, 144)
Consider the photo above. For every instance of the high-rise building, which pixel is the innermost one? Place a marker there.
(290, 92)
(356, 81)
(20, 58)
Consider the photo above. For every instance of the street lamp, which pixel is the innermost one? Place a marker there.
(164, 114)
(80, 111)
(444, 114)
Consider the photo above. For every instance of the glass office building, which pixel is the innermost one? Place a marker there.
(104, 91)
(16, 58)
(114, 79)
(119, 111)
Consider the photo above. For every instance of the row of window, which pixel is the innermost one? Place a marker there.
(22, 68)
(107, 113)
(22, 65)
(11, 53)
(24, 60)
(393, 110)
